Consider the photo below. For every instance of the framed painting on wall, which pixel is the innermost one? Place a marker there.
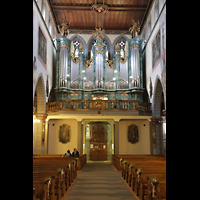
(156, 53)
(64, 134)
(133, 135)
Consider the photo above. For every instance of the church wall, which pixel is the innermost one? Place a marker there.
(154, 32)
(40, 68)
(56, 147)
(141, 147)
(158, 32)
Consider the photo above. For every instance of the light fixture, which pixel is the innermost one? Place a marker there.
(99, 8)
(36, 120)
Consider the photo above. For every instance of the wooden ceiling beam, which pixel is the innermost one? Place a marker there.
(88, 8)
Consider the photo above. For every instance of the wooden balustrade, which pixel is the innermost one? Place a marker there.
(109, 105)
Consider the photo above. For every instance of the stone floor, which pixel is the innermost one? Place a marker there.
(99, 181)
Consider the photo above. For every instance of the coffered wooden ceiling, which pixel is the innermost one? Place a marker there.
(118, 18)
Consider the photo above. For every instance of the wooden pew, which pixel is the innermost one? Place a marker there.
(118, 158)
(81, 160)
(147, 169)
(59, 184)
(160, 177)
(147, 190)
(150, 166)
(161, 191)
(61, 181)
(34, 194)
(58, 162)
(45, 166)
(69, 178)
(42, 190)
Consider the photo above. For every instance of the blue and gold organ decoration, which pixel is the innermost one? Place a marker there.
(99, 77)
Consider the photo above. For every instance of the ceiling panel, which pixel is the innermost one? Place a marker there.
(118, 17)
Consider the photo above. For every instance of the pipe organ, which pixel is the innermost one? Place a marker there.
(99, 77)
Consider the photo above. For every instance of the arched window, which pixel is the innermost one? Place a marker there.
(76, 47)
(149, 26)
(121, 41)
(43, 8)
(156, 10)
(54, 35)
(106, 41)
(77, 41)
(122, 44)
(50, 23)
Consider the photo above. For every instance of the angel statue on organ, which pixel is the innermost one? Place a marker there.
(64, 28)
(134, 29)
(98, 34)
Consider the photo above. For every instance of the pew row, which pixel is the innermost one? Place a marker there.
(144, 174)
(53, 175)
(81, 160)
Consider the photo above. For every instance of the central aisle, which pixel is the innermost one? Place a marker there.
(99, 181)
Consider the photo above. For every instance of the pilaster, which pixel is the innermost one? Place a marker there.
(116, 138)
(39, 135)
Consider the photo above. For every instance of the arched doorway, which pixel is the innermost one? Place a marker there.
(39, 116)
(158, 131)
(39, 97)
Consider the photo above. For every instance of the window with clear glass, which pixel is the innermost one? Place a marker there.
(149, 26)
(122, 44)
(156, 9)
(50, 23)
(87, 131)
(43, 8)
(76, 47)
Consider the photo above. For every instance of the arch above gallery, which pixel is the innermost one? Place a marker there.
(39, 99)
(159, 99)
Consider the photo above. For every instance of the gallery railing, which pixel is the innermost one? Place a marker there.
(108, 105)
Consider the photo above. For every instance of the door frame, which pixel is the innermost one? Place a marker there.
(110, 144)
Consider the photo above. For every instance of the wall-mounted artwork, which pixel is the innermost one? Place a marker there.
(64, 134)
(133, 135)
(156, 54)
(42, 47)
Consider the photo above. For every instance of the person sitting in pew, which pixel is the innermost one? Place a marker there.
(75, 153)
(68, 154)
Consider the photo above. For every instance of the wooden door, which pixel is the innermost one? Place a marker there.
(98, 142)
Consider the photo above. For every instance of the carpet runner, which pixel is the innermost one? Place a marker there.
(99, 181)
